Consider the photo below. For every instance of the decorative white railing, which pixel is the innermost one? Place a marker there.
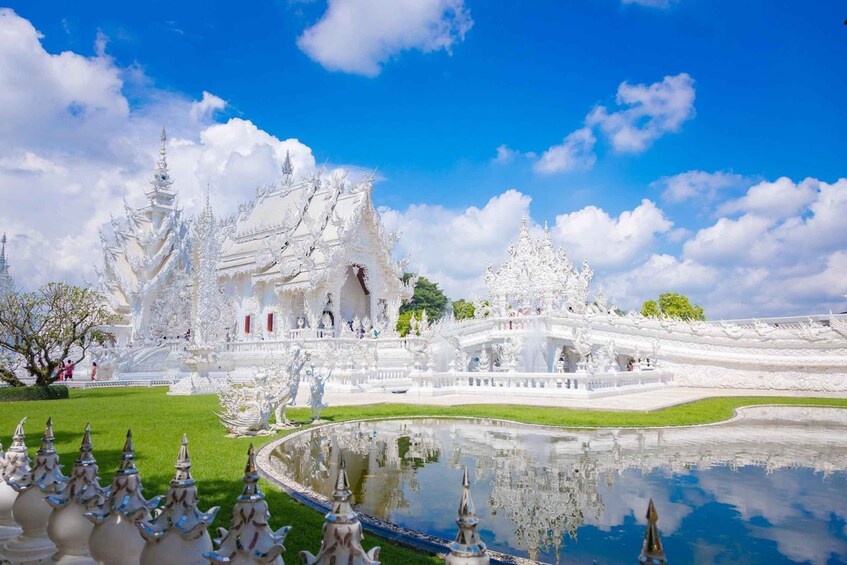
(538, 382)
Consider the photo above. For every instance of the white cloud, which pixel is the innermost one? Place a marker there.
(648, 112)
(576, 152)
(653, 110)
(504, 155)
(207, 106)
(731, 240)
(780, 199)
(698, 185)
(660, 273)
(453, 247)
(607, 241)
(359, 36)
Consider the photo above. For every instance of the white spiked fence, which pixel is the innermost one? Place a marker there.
(46, 517)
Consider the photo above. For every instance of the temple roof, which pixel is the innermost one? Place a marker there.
(289, 234)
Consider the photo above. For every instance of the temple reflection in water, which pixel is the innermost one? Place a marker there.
(774, 477)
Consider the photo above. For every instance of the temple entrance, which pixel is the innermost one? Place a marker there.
(355, 295)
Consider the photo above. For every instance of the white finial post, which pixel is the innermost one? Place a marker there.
(30, 510)
(250, 517)
(178, 534)
(652, 552)
(468, 549)
(342, 531)
(68, 527)
(115, 538)
(14, 466)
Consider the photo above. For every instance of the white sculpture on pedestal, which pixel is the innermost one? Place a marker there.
(115, 539)
(178, 534)
(14, 467)
(68, 528)
(30, 510)
(316, 392)
(342, 532)
(468, 549)
(249, 540)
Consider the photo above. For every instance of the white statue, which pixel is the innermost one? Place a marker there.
(316, 392)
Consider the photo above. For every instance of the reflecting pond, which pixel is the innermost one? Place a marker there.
(766, 488)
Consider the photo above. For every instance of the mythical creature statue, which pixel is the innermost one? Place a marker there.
(247, 409)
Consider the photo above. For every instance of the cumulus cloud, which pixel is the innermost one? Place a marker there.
(779, 199)
(69, 136)
(649, 112)
(644, 114)
(607, 241)
(576, 152)
(207, 106)
(698, 185)
(359, 36)
(453, 247)
(504, 155)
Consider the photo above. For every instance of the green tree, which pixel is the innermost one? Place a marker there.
(463, 309)
(427, 297)
(404, 322)
(673, 305)
(650, 309)
(38, 330)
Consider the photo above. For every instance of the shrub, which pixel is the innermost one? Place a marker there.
(21, 393)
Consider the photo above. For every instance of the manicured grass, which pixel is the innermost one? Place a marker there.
(158, 422)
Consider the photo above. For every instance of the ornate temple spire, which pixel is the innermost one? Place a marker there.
(652, 552)
(3, 253)
(287, 168)
(7, 284)
(161, 193)
(468, 549)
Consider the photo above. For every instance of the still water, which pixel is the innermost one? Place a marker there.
(768, 488)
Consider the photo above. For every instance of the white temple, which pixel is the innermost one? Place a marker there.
(307, 263)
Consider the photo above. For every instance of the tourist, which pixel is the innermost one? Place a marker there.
(69, 370)
(94, 371)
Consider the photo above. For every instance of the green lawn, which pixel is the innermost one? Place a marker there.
(158, 422)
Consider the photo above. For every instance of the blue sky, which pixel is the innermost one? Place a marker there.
(753, 89)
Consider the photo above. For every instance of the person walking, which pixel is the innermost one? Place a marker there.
(94, 371)
(69, 371)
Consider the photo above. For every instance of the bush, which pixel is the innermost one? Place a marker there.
(21, 393)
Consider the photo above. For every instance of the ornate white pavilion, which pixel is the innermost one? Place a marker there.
(307, 263)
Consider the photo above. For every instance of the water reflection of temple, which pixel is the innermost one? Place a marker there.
(549, 482)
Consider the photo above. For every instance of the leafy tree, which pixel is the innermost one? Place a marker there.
(650, 309)
(427, 297)
(673, 305)
(463, 309)
(41, 329)
(404, 322)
